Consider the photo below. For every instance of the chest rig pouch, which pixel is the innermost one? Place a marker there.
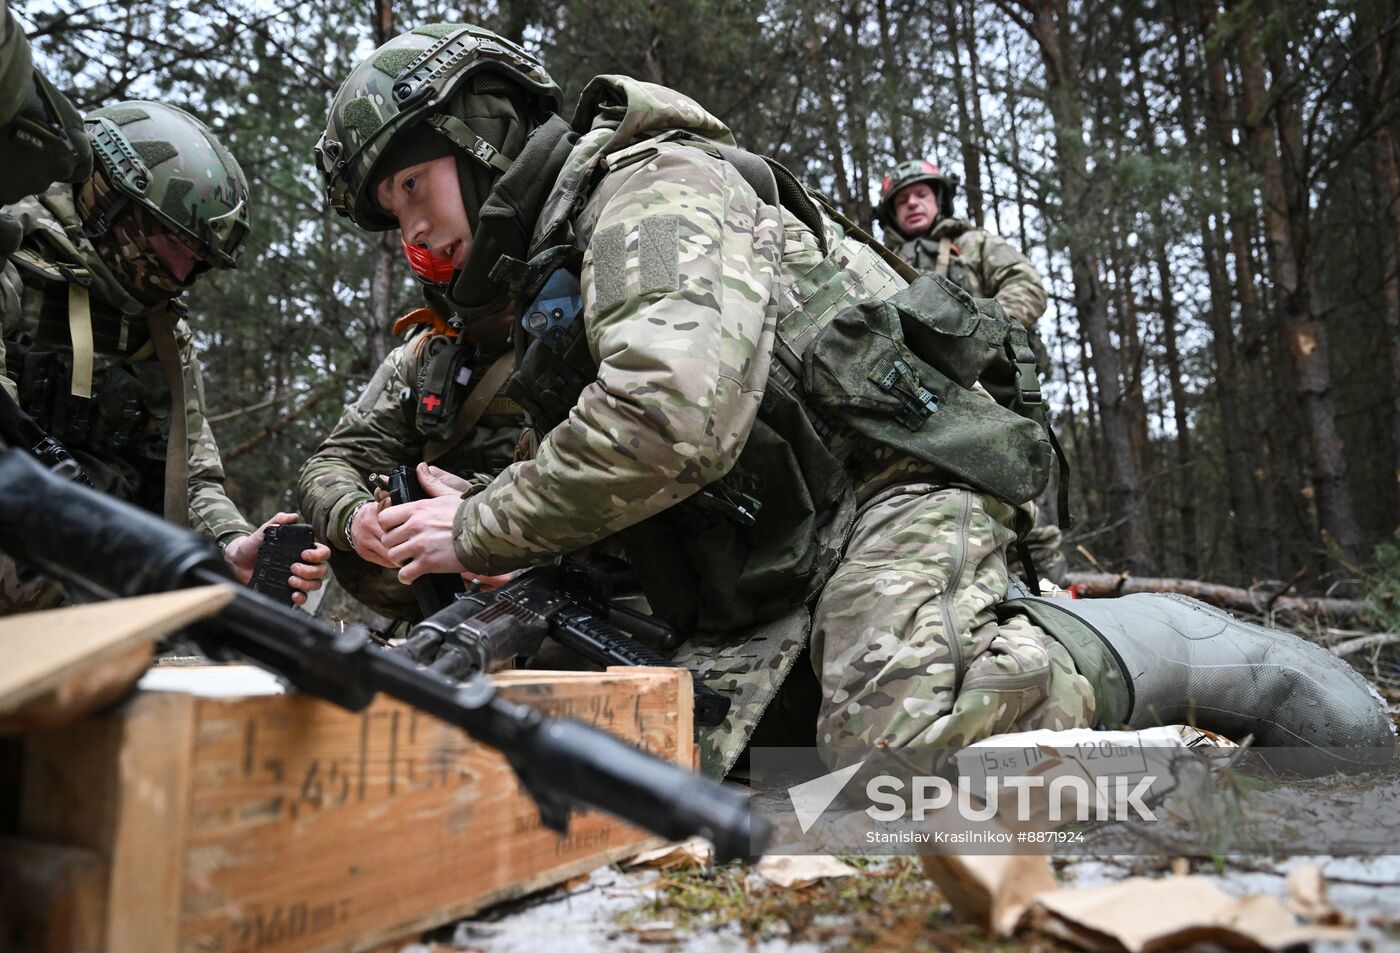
(900, 371)
(445, 367)
(125, 418)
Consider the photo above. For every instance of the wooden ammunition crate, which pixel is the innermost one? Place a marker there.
(272, 823)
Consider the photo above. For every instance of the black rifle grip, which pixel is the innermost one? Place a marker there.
(282, 545)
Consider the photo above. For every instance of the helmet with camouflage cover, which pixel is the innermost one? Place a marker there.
(168, 165)
(409, 81)
(944, 185)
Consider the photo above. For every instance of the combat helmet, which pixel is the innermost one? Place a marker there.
(166, 163)
(408, 81)
(944, 185)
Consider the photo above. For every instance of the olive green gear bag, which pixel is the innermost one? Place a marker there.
(902, 372)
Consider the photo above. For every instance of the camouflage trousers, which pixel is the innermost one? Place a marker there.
(906, 644)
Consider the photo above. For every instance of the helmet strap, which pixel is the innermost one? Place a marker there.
(100, 221)
(461, 135)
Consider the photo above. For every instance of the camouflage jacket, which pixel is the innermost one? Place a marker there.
(382, 430)
(985, 265)
(685, 276)
(119, 432)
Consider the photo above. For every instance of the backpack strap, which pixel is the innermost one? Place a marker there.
(474, 407)
(177, 455)
(945, 256)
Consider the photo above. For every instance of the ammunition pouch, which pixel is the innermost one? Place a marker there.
(901, 372)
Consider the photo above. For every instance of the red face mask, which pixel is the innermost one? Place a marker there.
(426, 265)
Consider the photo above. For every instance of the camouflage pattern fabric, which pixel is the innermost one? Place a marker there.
(1044, 542)
(376, 434)
(689, 255)
(174, 169)
(119, 434)
(985, 265)
(41, 134)
(687, 277)
(905, 642)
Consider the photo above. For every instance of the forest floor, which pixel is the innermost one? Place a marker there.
(890, 905)
(887, 903)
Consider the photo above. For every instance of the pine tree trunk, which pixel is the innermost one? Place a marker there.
(1386, 176)
(1249, 476)
(972, 169)
(1049, 25)
(385, 247)
(1279, 159)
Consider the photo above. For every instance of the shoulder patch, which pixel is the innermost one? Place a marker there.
(659, 251)
(610, 267)
(658, 244)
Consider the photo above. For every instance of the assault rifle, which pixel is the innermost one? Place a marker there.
(107, 548)
(485, 631)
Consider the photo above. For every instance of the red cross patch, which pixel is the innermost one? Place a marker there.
(431, 402)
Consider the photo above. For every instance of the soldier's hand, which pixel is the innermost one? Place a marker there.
(365, 535)
(438, 482)
(242, 556)
(418, 535)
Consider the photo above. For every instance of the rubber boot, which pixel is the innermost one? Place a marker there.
(1157, 659)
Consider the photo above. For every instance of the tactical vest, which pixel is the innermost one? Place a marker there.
(765, 537)
(939, 257)
(108, 401)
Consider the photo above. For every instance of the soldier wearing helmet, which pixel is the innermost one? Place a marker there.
(916, 212)
(727, 393)
(96, 346)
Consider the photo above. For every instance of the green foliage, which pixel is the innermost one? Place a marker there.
(1382, 586)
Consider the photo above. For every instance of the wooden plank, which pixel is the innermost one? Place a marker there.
(105, 647)
(313, 829)
(53, 898)
(148, 855)
(279, 823)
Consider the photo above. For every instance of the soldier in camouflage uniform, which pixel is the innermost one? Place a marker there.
(692, 407)
(409, 413)
(916, 213)
(95, 343)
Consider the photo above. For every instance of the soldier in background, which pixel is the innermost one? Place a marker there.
(95, 344)
(916, 213)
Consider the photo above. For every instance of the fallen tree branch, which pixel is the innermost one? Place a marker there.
(1376, 641)
(1258, 600)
